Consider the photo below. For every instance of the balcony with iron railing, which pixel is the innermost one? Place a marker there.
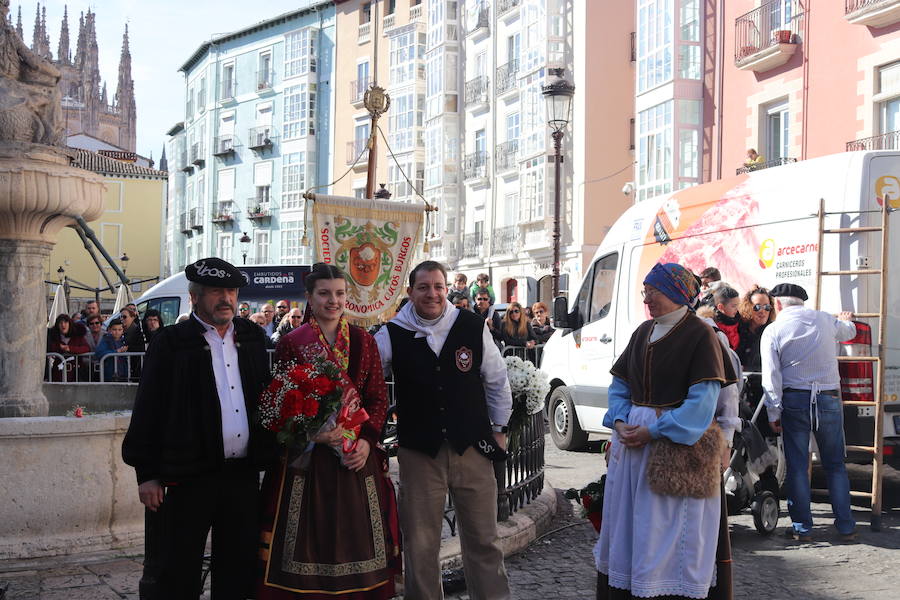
(506, 155)
(480, 26)
(505, 240)
(260, 138)
(265, 80)
(185, 164)
(224, 145)
(198, 153)
(872, 13)
(222, 212)
(228, 91)
(507, 77)
(475, 165)
(885, 141)
(184, 223)
(358, 89)
(765, 165)
(358, 149)
(259, 207)
(196, 219)
(476, 94)
(505, 6)
(473, 245)
(767, 37)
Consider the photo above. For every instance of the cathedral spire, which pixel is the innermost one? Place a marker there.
(36, 37)
(163, 161)
(63, 54)
(19, 24)
(79, 44)
(125, 96)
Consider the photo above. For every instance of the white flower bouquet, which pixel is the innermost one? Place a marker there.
(529, 388)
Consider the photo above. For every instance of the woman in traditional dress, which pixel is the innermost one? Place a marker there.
(657, 541)
(329, 524)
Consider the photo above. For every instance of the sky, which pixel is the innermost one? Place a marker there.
(163, 34)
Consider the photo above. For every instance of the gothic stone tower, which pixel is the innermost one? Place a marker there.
(86, 106)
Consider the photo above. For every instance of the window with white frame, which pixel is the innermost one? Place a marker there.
(405, 116)
(201, 190)
(689, 46)
(262, 181)
(300, 111)
(300, 52)
(532, 202)
(225, 186)
(362, 78)
(406, 50)
(689, 115)
(511, 208)
(535, 20)
(655, 151)
(294, 180)
(777, 130)
(261, 247)
(400, 187)
(201, 95)
(534, 128)
(654, 43)
(512, 126)
(224, 243)
(292, 252)
(887, 99)
(433, 138)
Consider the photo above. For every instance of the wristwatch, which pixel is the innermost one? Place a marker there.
(500, 428)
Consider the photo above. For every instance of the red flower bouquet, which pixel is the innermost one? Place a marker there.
(300, 400)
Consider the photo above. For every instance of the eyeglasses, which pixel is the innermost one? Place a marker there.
(648, 293)
(244, 309)
(515, 311)
(759, 307)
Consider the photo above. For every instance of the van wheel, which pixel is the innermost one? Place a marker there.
(564, 426)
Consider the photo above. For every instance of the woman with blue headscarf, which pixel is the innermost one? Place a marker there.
(661, 510)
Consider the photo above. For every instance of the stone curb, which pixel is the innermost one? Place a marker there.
(515, 534)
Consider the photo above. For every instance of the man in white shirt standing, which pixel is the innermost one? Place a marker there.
(453, 405)
(196, 454)
(802, 389)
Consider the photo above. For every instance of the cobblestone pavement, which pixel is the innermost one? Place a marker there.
(559, 564)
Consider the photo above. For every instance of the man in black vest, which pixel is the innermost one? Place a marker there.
(196, 453)
(453, 404)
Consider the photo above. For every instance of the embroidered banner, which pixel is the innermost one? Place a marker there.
(373, 242)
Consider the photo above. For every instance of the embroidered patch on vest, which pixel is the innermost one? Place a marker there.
(464, 359)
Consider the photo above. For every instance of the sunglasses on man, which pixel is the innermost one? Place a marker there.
(759, 307)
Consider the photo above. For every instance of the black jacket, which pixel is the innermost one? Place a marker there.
(176, 425)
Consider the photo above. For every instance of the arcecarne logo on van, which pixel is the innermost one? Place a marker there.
(790, 261)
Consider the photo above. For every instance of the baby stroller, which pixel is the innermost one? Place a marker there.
(757, 466)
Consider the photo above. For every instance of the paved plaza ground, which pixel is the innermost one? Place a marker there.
(559, 564)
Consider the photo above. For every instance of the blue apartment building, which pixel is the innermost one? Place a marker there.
(256, 134)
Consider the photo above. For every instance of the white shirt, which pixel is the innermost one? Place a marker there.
(235, 426)
(799, 351)
(493, 368)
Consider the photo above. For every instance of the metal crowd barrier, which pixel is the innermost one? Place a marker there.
(533, 354)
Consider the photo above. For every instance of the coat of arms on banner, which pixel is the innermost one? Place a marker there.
(373, 242)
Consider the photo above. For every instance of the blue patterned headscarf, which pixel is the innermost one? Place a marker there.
(677, 283)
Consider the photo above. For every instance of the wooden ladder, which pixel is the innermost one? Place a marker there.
(877, 450)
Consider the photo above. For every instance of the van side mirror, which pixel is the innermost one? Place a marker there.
(561, 312)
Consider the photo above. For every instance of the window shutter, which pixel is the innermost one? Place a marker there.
(262, 174)
(226, 185)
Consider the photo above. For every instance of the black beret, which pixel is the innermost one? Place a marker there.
(215, 272)
(789, 289)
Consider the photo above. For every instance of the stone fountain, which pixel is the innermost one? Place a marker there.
(40, 193)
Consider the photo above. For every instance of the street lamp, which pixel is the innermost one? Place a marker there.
(245, 245)
(60, 272)
(124, 259)
(558, 93)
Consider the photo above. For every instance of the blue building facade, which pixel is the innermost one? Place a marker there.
(256, 135)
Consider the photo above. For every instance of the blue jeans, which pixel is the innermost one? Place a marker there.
(798, 417)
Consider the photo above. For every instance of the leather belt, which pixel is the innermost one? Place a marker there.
(834, 393)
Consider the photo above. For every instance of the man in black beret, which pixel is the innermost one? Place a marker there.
(802, 389)
(195, 449)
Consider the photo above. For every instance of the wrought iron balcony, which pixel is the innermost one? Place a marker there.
(885, 141)
(265, 80)
(358, 148)
(358, 90)
(197, 154)
(504, 240)
(477, 90)
(506, 154)
(482, 21)
(224, 145)
(475, 165)
(186, 166)
(473, 245)
(228, 90)
(260, 138)
(872, 13)
(506, 76)
(766, 165)
(222, 212)
(196, 219)
(184, 223)
(504, 6)
(766, 37)
(257, 209)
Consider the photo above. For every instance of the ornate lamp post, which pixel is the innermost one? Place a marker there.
(245, 245)
(558, 93)
(124, 260)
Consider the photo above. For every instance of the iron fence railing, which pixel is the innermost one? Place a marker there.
(260, 137)
(358, 89)
(475, 165)
(504, 6)
(504, 239)
(224, 145)
(197, 153)
(357, 149)
(473, 244)
(520, 478)
(265, 79)
(184, 222)
(222, 212)
(506, 76)
(196, 218)
(506, 155)
(483, 20)
(228, 90)
(766, 165)
(774, 22)
(476, 90)
(885, 141)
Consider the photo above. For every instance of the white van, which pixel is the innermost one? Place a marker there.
(760, 228)
(264, 284)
